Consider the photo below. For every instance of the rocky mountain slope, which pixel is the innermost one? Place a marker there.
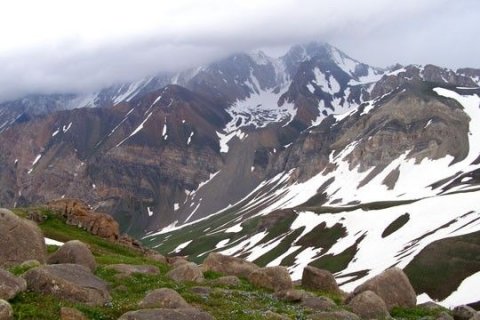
(311, 158)
(84, 276)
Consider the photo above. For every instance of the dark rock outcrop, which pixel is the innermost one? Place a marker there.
(75, 252)
(393, 287)
(70, 282)
(464, 313)
(10, 285)
(20, 240)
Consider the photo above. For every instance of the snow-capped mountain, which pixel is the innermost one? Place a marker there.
(310, 158)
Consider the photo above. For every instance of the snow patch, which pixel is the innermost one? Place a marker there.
(234, 229)
(181, 246)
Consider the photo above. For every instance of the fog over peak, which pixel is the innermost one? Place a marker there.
(55, 46)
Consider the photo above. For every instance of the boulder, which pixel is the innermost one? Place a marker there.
(71, 314)
(10, 285)
(319, 279)
(290, 295)
(176, 260)
(20, 240)
(157, 257)
(430, 305)
(166, 314)
(463, 313)
(226, 281)
(186, 272)
(444, 316)
(75, 252)
(129, 269)
(163, 298)
(201, 291)
(318, 303)
(6, 311)
(393, 287)
(273, 278)
(227, 265)
(71, 282)
(368, 305)
(334, 315)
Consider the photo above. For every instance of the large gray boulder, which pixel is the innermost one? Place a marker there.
(319, 279)
(75, 252)
(163, 298)
(273, 278)
(20, 240)
(226, 281)
(186, 272)
(166, 314)
(10, 285)
(129, 269)
(227, 265)
(71, 282)
(6, 311)
(368, 305)
(393, 287)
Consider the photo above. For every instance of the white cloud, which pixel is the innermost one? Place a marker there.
(55, 45)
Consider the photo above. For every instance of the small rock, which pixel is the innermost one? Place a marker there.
(318, 303)
(71, 282)
(166, 314)
(21, 240)
(273, 278)
(430, 305)
(202, 291)
(75, 252)
(444, 316)
(318, 279)
(334, 315)
(176, 260)
(227, 265)
(369, 306)
(186, 272)
(290, 295)
(270, 315)
(71, 314)
(463, 313)
(129, 269)
(227, 281)
(10, 285)
(158, 258)
(393, 286)
(6, 311)
(163, 298)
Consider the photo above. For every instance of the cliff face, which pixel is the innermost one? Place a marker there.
(156, 155)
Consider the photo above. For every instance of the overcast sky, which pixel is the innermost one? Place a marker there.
(72, 46)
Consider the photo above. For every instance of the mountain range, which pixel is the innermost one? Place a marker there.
(310, 158)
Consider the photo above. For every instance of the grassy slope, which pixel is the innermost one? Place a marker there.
(244, 302)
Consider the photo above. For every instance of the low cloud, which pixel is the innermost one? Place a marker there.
(63, 48)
